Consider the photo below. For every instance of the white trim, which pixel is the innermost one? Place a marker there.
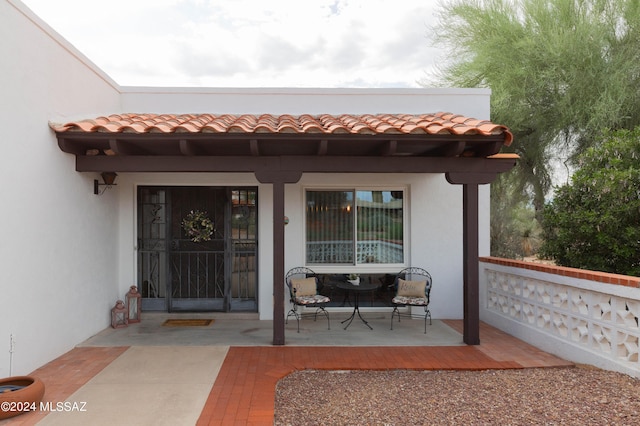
(305, 91)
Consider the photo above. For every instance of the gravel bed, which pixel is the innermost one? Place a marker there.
(541, 396)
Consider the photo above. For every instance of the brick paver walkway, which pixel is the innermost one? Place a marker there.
(244, 391)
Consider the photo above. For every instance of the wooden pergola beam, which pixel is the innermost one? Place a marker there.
(306, 164)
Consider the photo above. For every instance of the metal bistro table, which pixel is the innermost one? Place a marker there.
(356, 289)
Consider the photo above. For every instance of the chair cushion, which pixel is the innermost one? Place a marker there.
(416, 301)
(304, 286)
(411, 288)
(312, 300)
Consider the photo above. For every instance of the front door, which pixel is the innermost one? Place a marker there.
(179, 272)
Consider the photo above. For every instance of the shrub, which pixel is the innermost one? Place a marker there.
(594, 222)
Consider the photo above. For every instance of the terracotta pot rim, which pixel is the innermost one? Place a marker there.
(32, 393)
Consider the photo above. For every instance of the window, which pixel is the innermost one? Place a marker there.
(347, 227)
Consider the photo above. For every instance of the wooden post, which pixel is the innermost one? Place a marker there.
(278, 180)
(471, 296)
(471, 277)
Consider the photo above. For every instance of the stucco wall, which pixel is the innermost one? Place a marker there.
(58, 252)
(469, 102)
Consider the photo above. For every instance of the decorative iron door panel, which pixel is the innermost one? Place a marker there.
(152, 248)
(197, 268)
(244, 248)
(180, 272)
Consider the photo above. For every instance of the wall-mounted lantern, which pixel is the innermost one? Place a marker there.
(109, 179)
(134, 304)
(119, 315)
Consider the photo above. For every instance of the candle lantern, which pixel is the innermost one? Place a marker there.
(119, 315)
(134, 304)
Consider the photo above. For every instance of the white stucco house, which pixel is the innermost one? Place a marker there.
(261, 163)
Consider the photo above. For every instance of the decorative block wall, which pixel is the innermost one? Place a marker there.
(597, 318)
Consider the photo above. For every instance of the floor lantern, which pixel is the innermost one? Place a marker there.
(134, 304)
(119, 315)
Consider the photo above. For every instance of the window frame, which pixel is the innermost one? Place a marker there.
(356, 267)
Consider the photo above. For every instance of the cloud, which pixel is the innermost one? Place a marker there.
(332, 43)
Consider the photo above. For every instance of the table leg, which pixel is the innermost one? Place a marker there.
(356, 309)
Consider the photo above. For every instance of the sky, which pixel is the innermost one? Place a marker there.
(251, 43)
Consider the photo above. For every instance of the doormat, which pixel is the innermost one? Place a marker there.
(187, 322)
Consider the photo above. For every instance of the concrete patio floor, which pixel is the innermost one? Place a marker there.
(247, 330)
(226, 373)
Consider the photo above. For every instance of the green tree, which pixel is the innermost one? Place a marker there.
(594, 222)
(515, 232)
(560, 72)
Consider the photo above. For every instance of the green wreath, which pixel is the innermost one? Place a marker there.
(198, 226)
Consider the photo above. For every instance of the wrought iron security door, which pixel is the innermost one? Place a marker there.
(216, 274)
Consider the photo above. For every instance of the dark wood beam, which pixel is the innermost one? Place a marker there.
(116, 147)
(480, 168)
(71, 148)
(282, 144)
(416, 139)
(121, 148)
(254, 147)
(487, 149)
(389, 148)
(275, 176)
(471, 293)
(470, 242)
(278, 263)
(478, 178)
(187, 148)
(278, 179)
(451, 149)
(323, 147)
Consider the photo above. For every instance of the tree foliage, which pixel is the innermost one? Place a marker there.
(515, 232)
(560, 72)
(594, 222)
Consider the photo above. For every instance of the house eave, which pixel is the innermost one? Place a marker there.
(257, 144)
(304, 164)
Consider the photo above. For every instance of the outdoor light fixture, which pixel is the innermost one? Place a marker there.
(119, 315)
(134, 304)
(108, 178)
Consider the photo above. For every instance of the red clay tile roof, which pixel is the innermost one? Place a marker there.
(440, 123)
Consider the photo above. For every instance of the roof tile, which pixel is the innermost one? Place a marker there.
(434, 124)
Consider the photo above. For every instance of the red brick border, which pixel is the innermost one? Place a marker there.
(245, 390)
(602, 277)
